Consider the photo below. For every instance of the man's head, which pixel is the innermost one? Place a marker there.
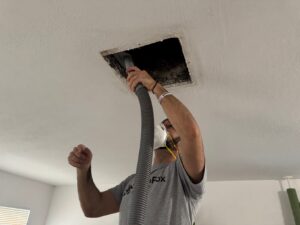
(172, 138)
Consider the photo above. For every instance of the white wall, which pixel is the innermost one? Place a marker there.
(245, 202)
(226, 203)
(20, 192)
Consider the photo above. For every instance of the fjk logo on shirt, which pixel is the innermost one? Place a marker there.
(157, 179)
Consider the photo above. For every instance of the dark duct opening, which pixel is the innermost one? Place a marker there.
(164, 60)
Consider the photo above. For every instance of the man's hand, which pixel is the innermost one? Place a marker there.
(80, 157)
(135, 76)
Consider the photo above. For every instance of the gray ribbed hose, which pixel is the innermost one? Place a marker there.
(138, 203)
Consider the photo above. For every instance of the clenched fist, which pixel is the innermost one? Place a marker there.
(80, 157)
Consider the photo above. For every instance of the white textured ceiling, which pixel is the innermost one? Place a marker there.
(56, 91)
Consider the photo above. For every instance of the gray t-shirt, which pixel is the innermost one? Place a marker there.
(173, 198)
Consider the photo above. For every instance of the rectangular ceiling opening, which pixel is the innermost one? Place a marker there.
(163, 60)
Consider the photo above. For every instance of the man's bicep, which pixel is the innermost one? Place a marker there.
(194, 190)
(192, 156)
(112, 197)
(109, 203)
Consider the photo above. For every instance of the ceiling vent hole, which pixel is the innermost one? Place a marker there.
(164, 60)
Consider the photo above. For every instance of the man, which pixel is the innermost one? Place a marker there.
(178, 172)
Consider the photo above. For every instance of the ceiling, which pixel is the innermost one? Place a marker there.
(56, 91)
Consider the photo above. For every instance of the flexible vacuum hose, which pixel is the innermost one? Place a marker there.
(138, 203)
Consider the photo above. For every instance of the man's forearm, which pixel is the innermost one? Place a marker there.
(178, 114)
(89, 195)
(191, 147)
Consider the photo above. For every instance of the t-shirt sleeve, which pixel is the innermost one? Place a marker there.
(119, 189)
(194, 190)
